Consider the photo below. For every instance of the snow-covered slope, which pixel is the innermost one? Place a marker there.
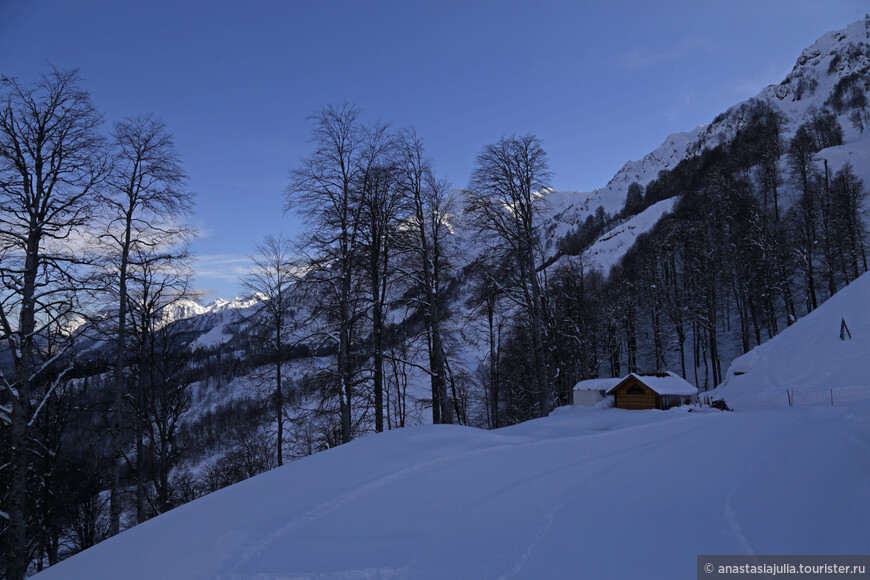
(563, 497)
(809, 358)
(212, 321)
(571, 208)
(612, 246)
(820, 67)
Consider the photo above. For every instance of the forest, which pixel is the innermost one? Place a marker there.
(368, 320)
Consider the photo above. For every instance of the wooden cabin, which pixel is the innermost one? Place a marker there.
(652, 391)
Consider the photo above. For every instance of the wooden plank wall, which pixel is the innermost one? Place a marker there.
(624, 400)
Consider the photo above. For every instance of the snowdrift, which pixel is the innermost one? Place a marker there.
(809, 358)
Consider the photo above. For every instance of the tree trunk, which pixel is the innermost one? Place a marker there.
(538, 340)
(140, 452)
(119, 384)
(493, 366)
(279, 404)
(377, 340)
(16, 549)
(345, 384)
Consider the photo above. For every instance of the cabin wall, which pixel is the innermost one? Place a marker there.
(646, 399)
(587, 398)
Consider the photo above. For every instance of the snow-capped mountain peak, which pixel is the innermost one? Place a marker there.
(825, 75)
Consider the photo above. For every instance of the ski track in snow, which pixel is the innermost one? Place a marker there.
(233, 564)
(731, 516)
(612, 461)
(330, 506)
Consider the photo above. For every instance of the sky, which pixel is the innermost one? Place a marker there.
(599, 83)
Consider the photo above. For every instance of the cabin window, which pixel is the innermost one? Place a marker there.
(634, 390)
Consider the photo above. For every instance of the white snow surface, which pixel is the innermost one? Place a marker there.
(561, 497)
(187, 308)
(612, 246)
(809, 357)
(567, 496)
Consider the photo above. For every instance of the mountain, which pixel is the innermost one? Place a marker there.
(211, 322)
(827, 73)
(834, 72)
(557, 497)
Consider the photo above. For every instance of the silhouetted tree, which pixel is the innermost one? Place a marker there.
(505, 196)
(633, 200)
(271, 323)
(51, 163)
(323, 190)
(146, 200)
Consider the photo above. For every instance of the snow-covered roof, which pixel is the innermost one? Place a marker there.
(664, 384)
(597, 384)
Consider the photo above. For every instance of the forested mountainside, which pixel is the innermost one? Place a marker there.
(407, 302)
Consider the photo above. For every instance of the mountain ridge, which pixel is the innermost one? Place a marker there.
(793, 96)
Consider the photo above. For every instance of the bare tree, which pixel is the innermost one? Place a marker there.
(160, 396)
(430, 208)
(849, 198)
(323, 190)
(272, 279)
(146, 200)
(505, 196)
(487, 295)
(51, 163)
(800, 158)
(383, 209)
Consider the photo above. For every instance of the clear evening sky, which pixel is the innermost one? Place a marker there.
(599, 82)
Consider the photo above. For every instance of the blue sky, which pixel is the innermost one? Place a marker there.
(235, 81)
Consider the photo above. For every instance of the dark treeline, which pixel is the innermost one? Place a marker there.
(111, 412)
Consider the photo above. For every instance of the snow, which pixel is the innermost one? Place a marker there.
(668, 384)
(856, 152)
(809, 357)
(545, 499)
(570, 208)
(597, 384)
(214, 337)
(587, 492)
(548, 498)
(612, 246)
